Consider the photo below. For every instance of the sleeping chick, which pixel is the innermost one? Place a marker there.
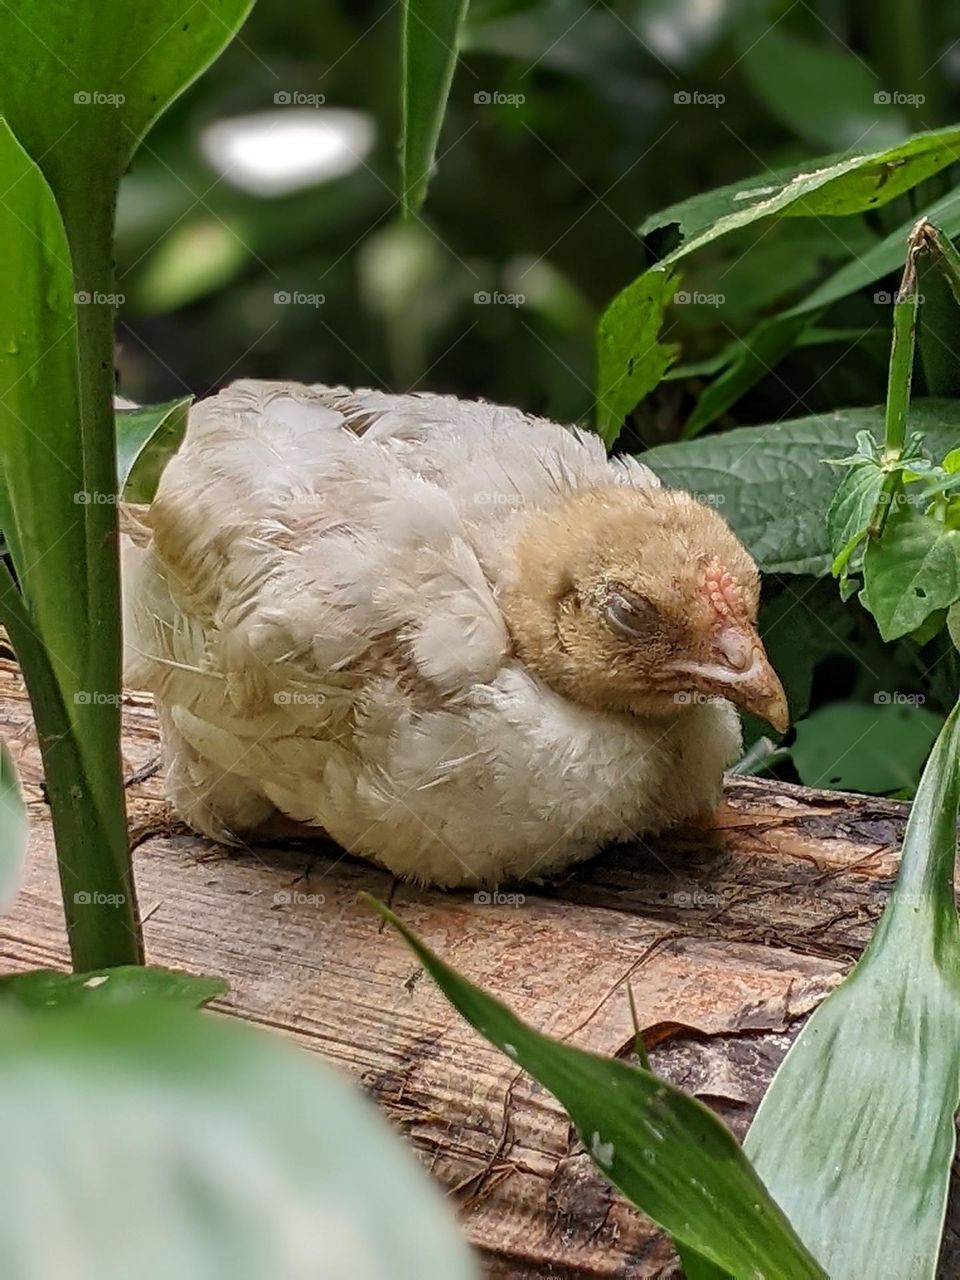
(460, 640)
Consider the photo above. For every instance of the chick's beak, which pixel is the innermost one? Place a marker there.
(740, 671)
(761, 692)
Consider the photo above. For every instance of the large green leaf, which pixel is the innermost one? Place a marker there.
(855, 1136)
(771, 483)
(667, 1152)
(147, 438)
(911, 572)
(629, 363)
(121, 985)
(13, 829)
(790, 75)
(849, 746)
(431, 36)
(166, 1143)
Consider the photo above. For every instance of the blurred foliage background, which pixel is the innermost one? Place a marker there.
(260, 235)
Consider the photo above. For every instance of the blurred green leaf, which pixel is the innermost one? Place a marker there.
(431, 36)
(630, 362)
(911, 571)
(771, 482)
(849, 746)
(13, 829)
(169, 1143)
(121, 985)
(828, 96)
(855, 1136)
(668, 1153)
(147, 438)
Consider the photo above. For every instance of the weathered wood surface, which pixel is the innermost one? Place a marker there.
(728, 938)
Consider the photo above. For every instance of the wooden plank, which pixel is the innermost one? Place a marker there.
(728, 937)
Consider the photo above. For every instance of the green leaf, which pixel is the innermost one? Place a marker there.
(789, 74)
(169, 1143)
(849, 746)
(630, 361)
(850, 511)
(431, 35)
(911, 571)
(13, 829)
(122, 985)
(147, 438)
(771, 482)
(855, 1136)
(669, 1154)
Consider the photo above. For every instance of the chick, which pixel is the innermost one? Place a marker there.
(460, 640)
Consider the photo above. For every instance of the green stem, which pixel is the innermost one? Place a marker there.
(98, 894)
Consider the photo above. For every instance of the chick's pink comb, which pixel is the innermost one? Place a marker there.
(721, 591)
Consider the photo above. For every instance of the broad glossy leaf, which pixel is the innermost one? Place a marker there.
(855, 1136)
(147, 438)
(771, 484)
(42, 496)
(878, 748)
(667, 1152)
(122, 985)
(431, 36)
(13, 830)
(911, 571)
(790, 74)
(850, 511)
(168, 1143)
(629, 363)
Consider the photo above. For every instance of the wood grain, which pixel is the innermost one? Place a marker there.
(728, 936)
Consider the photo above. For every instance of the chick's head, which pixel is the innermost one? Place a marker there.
(640, 599)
